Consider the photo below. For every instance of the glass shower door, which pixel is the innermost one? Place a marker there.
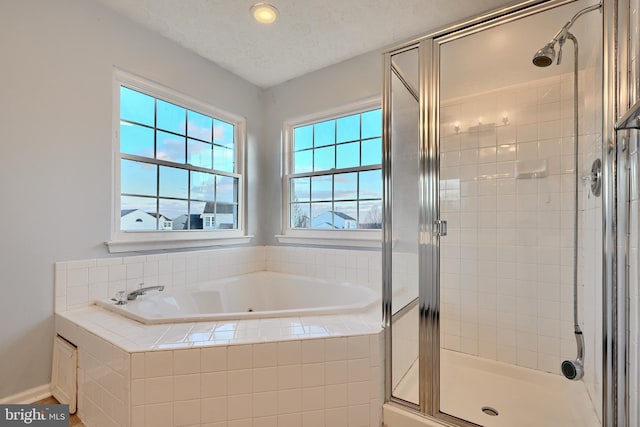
(506, 190)
(404, 183)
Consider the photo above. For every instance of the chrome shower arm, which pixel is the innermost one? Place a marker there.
(561, 35)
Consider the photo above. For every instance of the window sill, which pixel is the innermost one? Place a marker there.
(118, 246)
(374, 241)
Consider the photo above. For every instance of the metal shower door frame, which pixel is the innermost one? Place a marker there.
(614, 381)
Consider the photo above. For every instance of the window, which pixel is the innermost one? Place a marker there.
(178, 166)
(335, 172)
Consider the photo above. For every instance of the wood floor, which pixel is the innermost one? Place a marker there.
(74, 421)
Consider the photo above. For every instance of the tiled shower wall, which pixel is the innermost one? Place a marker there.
(590, 283)
(506, 280)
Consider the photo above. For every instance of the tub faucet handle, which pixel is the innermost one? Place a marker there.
(121, 298)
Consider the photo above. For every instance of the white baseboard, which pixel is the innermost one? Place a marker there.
(28, 396)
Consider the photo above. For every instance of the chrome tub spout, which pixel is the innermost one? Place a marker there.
(135, 294)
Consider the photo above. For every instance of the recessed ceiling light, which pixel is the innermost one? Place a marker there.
(264, 12)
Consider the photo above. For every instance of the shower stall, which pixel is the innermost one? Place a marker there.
(497, 256)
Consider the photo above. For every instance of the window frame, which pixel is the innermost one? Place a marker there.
(349, 238)
(124, 241)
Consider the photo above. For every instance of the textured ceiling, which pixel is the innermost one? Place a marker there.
(308, 35)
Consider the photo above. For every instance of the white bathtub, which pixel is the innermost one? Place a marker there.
(256, 295)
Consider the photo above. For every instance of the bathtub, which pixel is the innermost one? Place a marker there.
(256, 295)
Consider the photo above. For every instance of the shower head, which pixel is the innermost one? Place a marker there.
(545, 56)
(572, 369)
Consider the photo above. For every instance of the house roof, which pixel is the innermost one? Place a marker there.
(157, 215)
(219, 207)
(343, 216)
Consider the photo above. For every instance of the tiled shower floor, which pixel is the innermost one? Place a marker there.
(522, 397)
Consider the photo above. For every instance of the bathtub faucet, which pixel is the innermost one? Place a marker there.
(135, 294)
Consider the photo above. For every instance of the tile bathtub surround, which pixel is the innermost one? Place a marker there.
(79, 283)
(357, 266)
(316, 379)
(103, 378)
(321, 381)
(132, 336)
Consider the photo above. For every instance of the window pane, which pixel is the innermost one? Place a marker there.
(303, 137)
(170, 147)
(223, 133)
(202, 186)
(344, 215)
(346, 186)
(174, 182)
(226, 189)
(171, 117)
(321, 216)
(324, 158)
(136, 107)
(195, 221)
(138, 178)
(371, 184)
(134, 213)
(348, 155)
(371, 214)
(372, 124)
(200, 154)
(300, 189)
(223, 158)
(372, 152)
(302, 161)
(348, 128)
(199, 126)
(136, 140)
(321, 187)
(300, 215)
(173, 213)
(226, 217)
(324, 133)
(339, 199)
(176, 197)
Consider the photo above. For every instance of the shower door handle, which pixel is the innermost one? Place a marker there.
(440, 227)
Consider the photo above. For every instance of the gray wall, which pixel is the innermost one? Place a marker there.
(55, 135)
(55, 161)
(344, 83)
